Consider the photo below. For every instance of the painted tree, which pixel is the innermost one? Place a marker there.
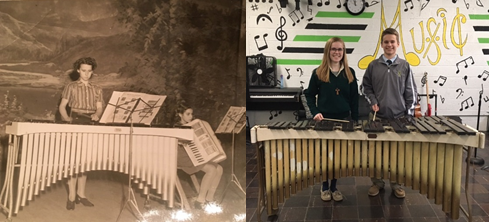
(187, 50)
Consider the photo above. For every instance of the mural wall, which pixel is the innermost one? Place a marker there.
(447, 40)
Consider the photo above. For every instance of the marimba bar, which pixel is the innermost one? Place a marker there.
(423, 153)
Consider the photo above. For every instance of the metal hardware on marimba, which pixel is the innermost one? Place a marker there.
(423, 153)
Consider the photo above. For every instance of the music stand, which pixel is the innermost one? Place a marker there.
(124, 108)
(233, 122)
(477, 160)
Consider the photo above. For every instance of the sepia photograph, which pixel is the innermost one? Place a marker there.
(96, 101)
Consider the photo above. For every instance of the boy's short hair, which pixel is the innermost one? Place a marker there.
(390, 31)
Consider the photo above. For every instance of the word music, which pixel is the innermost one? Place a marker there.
(457, 39)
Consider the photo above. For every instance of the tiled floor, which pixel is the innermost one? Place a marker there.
(358, 206)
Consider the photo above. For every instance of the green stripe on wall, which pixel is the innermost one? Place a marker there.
(487, 62)
(365, 15)
(483, 40)
(297, 62)
(478, 16)
(318, 38)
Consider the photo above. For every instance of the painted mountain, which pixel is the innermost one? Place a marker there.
(187, 50)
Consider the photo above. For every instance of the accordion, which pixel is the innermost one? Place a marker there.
(205, 147)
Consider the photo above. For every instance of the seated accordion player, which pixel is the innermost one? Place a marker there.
(205, 147)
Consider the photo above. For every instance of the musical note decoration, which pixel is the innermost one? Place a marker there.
(310, 11)
(271, 7)
(484, 72)
(320, 3)
(464, 61)
(442, 99)
(465, 2)
(296, 16)
(479, 3)
(274, 115)
(425, 4)
(443, 78)
(265, 46)
(288, 73)
(465, 79)
(279, 8)
(280, 34)
(371, 3)
(301, 72)
(461, 92)
(254, 7)
(405, 4)
(466, 102)
(262, 17)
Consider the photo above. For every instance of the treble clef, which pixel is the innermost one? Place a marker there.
(457, 21)
(280, 34)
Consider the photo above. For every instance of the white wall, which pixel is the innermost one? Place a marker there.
(437, 37)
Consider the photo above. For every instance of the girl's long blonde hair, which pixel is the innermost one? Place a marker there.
(323, 69)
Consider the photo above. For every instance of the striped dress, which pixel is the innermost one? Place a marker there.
(83, 97)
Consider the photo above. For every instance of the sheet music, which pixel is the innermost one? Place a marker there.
(123, 104)
(234, 120)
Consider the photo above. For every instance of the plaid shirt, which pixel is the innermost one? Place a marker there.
(81, 97)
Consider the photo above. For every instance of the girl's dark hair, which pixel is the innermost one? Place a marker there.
(85, 60)
(181, 109)
(74, 75)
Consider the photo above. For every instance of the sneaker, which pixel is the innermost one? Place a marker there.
(399, 193)
(326, 195)
(337, 196)
(374, 190)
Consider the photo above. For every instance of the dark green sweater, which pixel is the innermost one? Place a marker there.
(335, 99)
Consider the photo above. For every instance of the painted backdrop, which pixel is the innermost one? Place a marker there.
(186, 50)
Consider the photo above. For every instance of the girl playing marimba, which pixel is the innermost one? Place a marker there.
(90, 108)
(337, 96)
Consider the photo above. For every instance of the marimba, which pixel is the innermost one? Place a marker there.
(423, 153)
(40, 154)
